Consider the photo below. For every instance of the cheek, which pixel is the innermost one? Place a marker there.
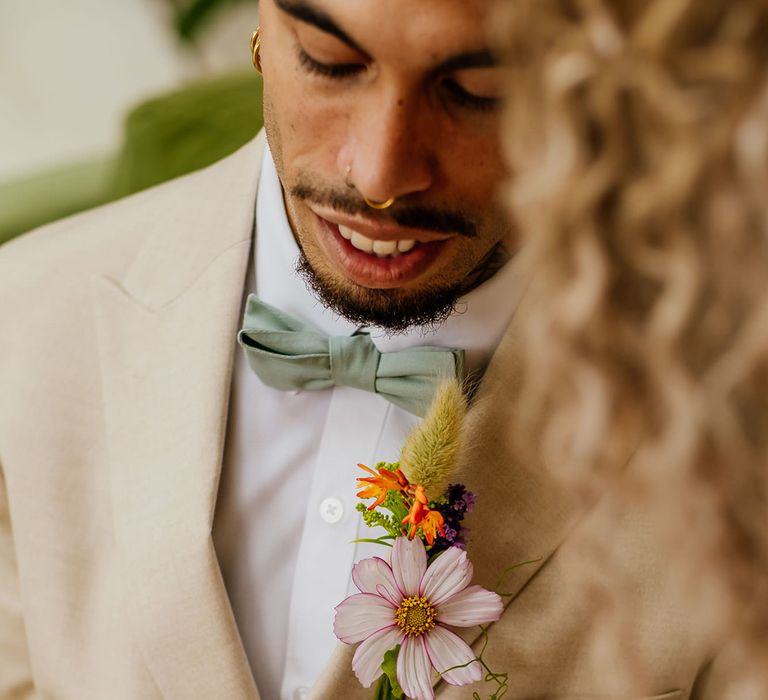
(471, 162)
(474, 182)
(481, 154)
(307, 124)
(313, 129)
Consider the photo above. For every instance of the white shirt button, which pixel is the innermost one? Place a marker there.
(301, 693)
(331, 510)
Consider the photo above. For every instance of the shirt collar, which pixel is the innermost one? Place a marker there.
(477, 325)
(277, 281)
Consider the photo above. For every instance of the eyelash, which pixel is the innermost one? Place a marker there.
(337, 72)
(346, 70)
(469, 101)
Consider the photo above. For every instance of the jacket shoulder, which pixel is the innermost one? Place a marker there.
(106, 240)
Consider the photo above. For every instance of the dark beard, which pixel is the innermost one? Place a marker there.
(393, 310)
(385, 308)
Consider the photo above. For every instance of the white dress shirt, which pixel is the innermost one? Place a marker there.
(286, 516)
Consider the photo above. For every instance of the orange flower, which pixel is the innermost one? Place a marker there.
(420, 495)
(422, 516)
(432, 524)
(379, 485)
(418, 510)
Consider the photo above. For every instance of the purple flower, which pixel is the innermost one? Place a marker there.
(459, 502)
(450, 534)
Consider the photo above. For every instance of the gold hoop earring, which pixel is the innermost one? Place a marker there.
(255, 48)
(373, 204)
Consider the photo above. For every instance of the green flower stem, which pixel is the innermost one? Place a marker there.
(383, 690)
(380, 540)
(512, 568)
(502, 679)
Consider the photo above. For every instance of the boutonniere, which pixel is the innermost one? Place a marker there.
(408, 603)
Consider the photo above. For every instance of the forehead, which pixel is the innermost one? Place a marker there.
(406, 28)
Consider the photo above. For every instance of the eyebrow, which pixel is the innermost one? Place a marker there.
(307, 13)
(472, 59)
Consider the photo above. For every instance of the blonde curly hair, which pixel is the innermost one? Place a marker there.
(637, 135)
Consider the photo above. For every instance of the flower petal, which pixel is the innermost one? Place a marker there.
(449, 573)
(370, 574)
(409, 562)
(414, 669)
(447, 650)
(360, 615)
(473, 606)
(366, 663)
(395, 599)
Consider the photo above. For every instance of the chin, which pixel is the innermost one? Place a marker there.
(395, 309)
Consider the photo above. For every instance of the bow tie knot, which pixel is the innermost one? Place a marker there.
(290, 355)
(354, 361)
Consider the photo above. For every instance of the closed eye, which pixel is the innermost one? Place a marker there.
(336, 71)
(466, 99)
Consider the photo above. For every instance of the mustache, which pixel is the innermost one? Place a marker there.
(424, 218)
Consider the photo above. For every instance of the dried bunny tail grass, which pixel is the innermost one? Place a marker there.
(429, 456)
(637, 134)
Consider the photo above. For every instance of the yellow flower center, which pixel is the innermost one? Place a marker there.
(415, 616)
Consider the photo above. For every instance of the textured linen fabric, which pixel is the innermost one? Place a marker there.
(111, 448)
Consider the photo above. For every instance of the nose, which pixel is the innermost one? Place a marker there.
(387, 153)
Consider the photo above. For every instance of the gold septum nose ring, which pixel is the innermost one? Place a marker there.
(373, 204)
(255, 48)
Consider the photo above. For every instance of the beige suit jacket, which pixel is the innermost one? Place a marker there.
(116, 345)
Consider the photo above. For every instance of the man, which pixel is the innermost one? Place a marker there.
(161, 538)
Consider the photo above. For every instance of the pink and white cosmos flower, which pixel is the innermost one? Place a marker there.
(409, 604)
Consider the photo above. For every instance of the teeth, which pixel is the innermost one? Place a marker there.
(360, 242)
(381, 249)
(384, 247)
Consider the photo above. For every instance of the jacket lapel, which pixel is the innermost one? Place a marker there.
(522, 512)
(166, 341)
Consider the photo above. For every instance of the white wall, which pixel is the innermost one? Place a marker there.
(69, 69)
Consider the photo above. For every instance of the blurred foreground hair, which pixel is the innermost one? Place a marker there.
(637, 134)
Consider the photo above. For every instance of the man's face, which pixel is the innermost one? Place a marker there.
(381, 99)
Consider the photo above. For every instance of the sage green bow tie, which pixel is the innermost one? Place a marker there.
(288, 354)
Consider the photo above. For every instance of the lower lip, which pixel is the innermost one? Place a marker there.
(378, 273)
